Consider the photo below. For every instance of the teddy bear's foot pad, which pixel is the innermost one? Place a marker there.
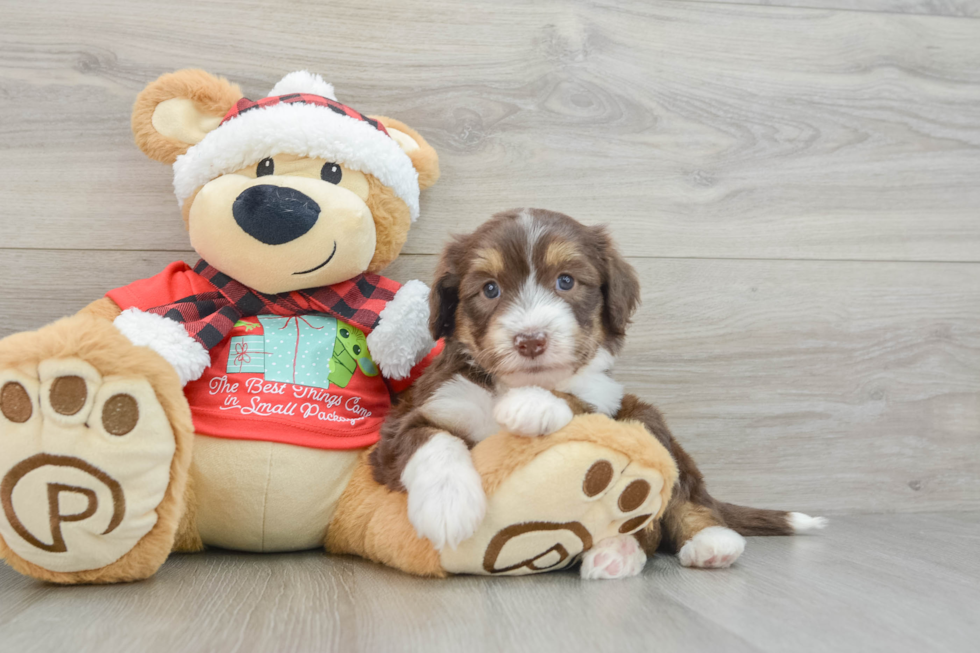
(561, 503)
(85, 461)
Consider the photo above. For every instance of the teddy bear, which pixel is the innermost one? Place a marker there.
(234, 403)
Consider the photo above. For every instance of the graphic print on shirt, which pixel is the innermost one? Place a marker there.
(308, 350)
(338, 401)
(350, 352)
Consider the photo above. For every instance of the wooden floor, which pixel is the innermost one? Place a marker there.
(868, 584)
(797, 183)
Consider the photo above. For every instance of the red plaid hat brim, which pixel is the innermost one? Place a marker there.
(244, 105)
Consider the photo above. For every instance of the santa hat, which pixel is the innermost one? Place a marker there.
(300, 116)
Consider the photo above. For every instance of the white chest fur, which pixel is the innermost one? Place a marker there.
(466, 408)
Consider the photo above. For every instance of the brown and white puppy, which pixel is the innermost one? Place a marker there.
(532, 302)
(533, 307)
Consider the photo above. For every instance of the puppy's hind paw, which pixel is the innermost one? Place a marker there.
(714, 547)
(613, 558)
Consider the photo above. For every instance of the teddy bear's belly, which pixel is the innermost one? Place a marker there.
(266, 496)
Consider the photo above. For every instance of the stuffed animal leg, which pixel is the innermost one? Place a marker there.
(549, 500)
(95, 445)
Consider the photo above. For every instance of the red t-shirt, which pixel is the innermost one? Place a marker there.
(306, 380)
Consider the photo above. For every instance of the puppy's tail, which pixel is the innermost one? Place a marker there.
(756, 521)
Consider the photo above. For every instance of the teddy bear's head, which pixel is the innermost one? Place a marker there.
(292, 191)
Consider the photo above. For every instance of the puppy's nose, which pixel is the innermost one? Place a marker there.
(531, 345)
(275, 214)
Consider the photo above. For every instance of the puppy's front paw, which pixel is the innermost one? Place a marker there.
(531, 411)
(613, 558)
(446, 502)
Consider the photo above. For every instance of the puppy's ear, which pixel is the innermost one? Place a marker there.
(620, 290)
(444, 296)
(178, 110)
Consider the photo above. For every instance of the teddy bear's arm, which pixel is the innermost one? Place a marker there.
(167, 338)
(402, 336)
(164, 336)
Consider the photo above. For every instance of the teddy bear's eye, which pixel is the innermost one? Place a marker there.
(344, 333)
(357, 350)
(331, 172)
(265, 167)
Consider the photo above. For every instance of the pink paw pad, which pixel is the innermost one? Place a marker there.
(613, 558)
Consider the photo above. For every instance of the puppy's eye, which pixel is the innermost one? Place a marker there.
(491, 290)
(564, 282)
(331, 173)
(265, 167)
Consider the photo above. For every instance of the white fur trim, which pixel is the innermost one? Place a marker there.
(713, 547)
(303, 81)
(613, 558)
(402, 336)
(531, 411)
(167, 338)
(594, 384)
(304, 130)
(446, 502)
(802, 523)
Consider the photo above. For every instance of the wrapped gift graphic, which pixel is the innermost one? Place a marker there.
(247, 354)
(298, 349)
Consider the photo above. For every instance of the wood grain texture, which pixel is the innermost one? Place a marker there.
(807, 385)
(798, 383)
(868, 584)
(700, 130)
(954, 8)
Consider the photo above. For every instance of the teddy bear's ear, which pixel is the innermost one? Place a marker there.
(178, 110)
(424, 158)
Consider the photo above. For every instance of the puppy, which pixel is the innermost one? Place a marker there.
(533, 307)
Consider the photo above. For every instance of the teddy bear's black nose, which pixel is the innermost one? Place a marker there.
(274, 214)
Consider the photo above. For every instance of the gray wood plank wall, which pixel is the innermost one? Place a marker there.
(798, 188)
